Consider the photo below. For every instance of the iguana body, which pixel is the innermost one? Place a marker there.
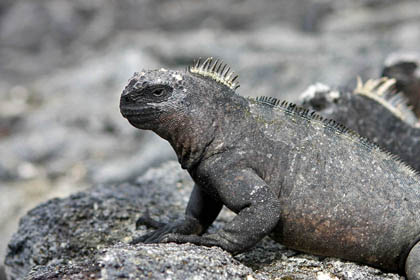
(309, 183)
(375, 111)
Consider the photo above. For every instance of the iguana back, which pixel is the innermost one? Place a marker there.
(340, 194)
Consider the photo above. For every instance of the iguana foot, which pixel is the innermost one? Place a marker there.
(185, 226)
(148, 221)
(208, 240)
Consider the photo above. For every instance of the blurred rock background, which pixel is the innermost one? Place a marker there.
(64, 63)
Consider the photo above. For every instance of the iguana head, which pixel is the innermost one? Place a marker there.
(322, 98)
(155, 97)
(151, 95)
(183, 107)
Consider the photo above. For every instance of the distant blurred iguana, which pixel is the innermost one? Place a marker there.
(308, 182)
(405, 69)
(374, 110)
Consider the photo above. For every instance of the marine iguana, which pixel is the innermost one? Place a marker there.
(374, 110)
(308, 182)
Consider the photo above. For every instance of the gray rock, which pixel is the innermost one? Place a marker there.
(170, 261)
(123, 261)
(62, 229)
(87, 235)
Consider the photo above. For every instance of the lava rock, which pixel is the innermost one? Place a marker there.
(87, 236)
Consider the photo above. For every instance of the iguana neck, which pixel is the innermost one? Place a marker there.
(189, 138)
(192, 131)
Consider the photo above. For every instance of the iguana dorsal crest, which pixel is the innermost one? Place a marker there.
(384, 92)
(308, 114)
(216, 70)
(312, 116)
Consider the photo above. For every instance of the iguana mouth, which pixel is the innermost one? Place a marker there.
(129, 111)
(141, 120)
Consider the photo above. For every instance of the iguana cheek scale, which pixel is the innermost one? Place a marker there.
(308, 182)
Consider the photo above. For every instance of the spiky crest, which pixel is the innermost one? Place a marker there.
(338, 128)
(384, 92)
(216, 70)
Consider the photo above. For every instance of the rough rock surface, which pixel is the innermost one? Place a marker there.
(87, 235)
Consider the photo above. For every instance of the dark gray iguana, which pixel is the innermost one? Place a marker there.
(309, 183)
(374, 110)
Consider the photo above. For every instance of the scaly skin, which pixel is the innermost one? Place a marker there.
(374, 111)
(309, 183)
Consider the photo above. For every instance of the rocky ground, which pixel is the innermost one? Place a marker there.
(87, 236)
(64, 63)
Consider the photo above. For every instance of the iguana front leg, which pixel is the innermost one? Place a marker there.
(201, 211)
(257, 208)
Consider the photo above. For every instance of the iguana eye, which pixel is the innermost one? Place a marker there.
(158, 92)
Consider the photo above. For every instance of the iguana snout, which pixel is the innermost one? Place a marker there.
(147, 96)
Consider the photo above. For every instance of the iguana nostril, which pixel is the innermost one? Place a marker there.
(126, 98)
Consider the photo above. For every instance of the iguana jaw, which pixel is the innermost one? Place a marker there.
(142, 117)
